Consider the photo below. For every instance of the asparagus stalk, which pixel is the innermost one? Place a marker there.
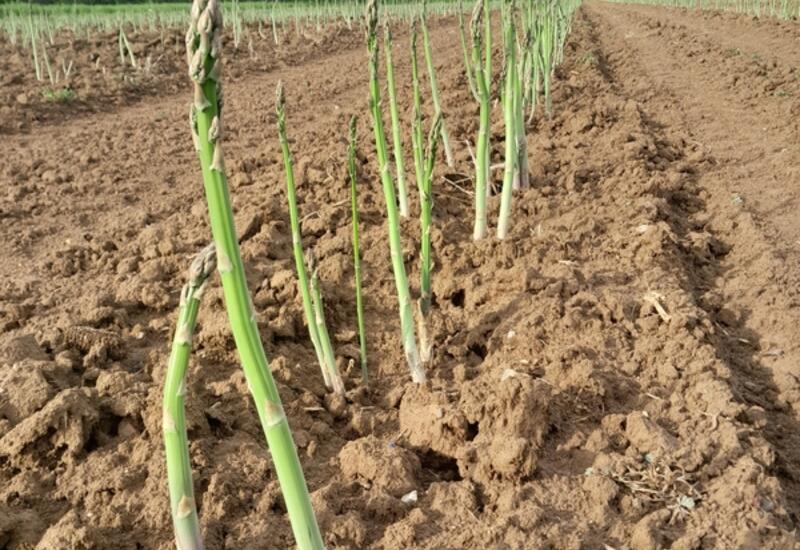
(179, 468)
(351, 166)
(426, 43)
(322, 327)
(426, 210)
(547, 59)
(428, 160)
(51, 76)
(34, 36)
(487, 20)
(521, 170)
(121, 45)
(124, 46)
(536, 71)
(482, 144)
(402, 193)
(416, 130)
(424, 162)
(297, 241)
(416, 127)
(510, 117)
(521, 175)
(395, 245)
(203, 43)
(466, 52)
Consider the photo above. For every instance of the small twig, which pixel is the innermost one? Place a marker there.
(654, 298)
(453, 184)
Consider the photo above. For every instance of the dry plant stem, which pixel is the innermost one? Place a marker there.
(203, 51)
(402, 192)
(176, 445)
(297, 241)
(322, 328)
(482, 145)
(351, 167)
(426, 46)
(395, 244)
(510, 117)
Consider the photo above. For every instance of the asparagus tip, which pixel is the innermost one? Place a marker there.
(280, 98)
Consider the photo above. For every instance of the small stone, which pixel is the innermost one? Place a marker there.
(22, 99)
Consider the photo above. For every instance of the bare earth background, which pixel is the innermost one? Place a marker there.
(564, 411)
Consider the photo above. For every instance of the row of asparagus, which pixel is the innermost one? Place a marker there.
(529, 57)
(533, 38)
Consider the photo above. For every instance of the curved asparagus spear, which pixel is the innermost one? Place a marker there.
(179, 468)
(203, 43)
(320, 341)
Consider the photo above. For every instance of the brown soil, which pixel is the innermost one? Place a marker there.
(621, 372)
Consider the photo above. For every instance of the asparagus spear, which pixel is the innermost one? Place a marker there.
(203, 44)
(395, 244)
(351, 166)
(179, 468)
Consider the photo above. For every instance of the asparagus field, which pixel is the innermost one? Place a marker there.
(507, 274)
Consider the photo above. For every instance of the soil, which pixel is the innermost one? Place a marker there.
(621, 372)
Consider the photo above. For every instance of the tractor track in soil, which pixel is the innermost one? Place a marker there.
(741, 123)
(563, 411)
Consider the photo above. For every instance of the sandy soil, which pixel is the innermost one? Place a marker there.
(621, 372)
